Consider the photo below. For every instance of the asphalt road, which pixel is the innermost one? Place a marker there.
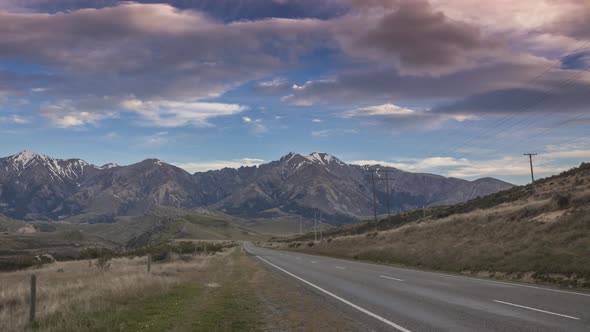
(396, 299)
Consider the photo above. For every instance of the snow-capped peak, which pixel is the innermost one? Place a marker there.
(24, 156)
(321, 158)
(295, 160)
(58, 168)
(109, 165)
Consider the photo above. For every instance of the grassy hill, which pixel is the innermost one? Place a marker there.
(515, 234)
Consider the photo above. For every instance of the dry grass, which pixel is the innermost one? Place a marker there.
(542, 238)
(66, 289)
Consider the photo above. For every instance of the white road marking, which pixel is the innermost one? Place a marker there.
(492, 281)
(534, 309)
(384, 320)
(392, 278)
(340, 267)
(314, 262)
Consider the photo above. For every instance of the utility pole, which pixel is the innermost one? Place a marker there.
(532, 174)
(315, 226)
(374, 197)
(321, 233)
(300, 226)
(388, 199)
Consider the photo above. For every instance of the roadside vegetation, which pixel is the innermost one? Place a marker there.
(541, 237)
(223, 291)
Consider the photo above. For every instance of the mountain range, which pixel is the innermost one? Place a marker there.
(34, 186)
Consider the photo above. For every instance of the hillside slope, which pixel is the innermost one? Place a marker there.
(543, 237)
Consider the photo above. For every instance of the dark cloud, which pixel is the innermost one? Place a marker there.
(152, 50)
(552, 96)
(225, 10)
(386, 84)
(575, 22)
(417, 38)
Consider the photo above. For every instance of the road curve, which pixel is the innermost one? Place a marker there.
(395, 299)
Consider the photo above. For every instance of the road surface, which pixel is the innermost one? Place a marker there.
(388, 298)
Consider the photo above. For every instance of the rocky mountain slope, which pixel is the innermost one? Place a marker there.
(34, 186)
(309, 184)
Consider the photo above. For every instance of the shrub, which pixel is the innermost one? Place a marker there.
(103, 262)
(562, 201)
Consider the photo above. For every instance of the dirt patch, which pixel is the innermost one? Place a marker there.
(549, 217)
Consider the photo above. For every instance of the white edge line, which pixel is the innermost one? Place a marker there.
(392, 278)
(392, 324)
(492, 281)
(534, 309)
(475, 279)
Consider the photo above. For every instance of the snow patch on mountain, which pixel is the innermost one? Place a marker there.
(58, 168)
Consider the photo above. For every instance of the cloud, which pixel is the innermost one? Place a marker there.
(385, 84)
(149, 51)
(218, 164)
(274, 86)
(166, 113)
(316, 120)
(418, 39)
(67, 113)
(257, 126)
(225, 10)
(333, 132)
(435, 52)
(381, 110)
(567, 95)
(552, 160)
(157, 139)
(400, 117)
(15, 119)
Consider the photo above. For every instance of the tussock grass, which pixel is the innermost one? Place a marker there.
(66, 290)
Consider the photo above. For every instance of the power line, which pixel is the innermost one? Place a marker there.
(387, 179)
(506, 119)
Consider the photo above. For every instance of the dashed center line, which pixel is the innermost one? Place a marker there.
(340, 267)
(314, 262)
(535, 309)
(391, 278)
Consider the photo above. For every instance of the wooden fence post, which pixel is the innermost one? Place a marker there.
(33, 297)
(149, 262)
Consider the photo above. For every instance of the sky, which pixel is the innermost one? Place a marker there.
(459, 88)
